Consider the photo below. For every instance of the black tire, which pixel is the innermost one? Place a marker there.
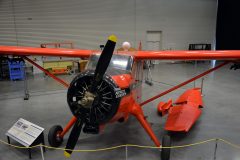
(165, 153)
(160, 114)
(53, 139)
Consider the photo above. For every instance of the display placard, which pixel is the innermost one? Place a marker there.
(24, 132)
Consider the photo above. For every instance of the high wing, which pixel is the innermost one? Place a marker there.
(189, 55)
(27, 51)
(158, 55)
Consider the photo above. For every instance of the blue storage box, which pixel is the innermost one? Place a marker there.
(16, 69)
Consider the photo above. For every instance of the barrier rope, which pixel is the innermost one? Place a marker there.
(127, 145)
(229, 143)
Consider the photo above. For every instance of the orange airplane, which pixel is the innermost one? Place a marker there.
(109, 90)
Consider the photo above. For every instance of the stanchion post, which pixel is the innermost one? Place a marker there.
(26, 92)
(195, 70)
(126, 152)
(43, 142)
(215, 150)
(41, 147)
(8, 139)
(202, 87)
(29, 153)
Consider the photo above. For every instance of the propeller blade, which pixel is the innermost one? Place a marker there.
(104, 60)
(74, 135)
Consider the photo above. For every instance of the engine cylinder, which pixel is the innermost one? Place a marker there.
(102, 103)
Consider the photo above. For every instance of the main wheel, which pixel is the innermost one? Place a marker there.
(166, 142)
(53, 136)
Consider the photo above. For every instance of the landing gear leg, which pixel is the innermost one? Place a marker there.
(166, 141)
(56, 133)
(138, 113)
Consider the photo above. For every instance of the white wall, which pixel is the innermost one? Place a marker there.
(7, 31)
(87, 23)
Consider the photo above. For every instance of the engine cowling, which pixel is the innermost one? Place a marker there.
(106, 98)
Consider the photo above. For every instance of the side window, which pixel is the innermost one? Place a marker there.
(137, 71)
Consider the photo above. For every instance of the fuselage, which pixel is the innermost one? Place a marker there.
(127, 73)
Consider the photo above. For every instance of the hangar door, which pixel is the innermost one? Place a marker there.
(154, 41)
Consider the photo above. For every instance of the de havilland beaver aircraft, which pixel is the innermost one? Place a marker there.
(109, 90)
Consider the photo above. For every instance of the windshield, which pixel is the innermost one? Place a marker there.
(119, 64)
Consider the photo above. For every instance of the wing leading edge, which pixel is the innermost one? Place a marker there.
(27, 51)
(189, 55)
(158, 55)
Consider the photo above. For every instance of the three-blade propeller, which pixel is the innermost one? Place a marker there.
(101, 68)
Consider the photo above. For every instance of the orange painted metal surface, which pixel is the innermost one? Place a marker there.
(192, 96)
(124, 108)
(68, 126)
(168, 55)
(129, 106)
(185, 113)
(136, 110)
(188, 55)
(123, 81)
(27, 51)
(164, 107)
(181, 118)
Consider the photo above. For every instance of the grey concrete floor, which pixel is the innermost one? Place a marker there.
(47, 106)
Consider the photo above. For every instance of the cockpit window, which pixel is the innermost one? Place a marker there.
(119, 64)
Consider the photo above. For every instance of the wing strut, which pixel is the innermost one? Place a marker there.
(73, 119)
(48, 73)
(184, 83)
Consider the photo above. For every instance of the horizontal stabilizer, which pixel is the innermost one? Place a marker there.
(191, 96)
(181, 118)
